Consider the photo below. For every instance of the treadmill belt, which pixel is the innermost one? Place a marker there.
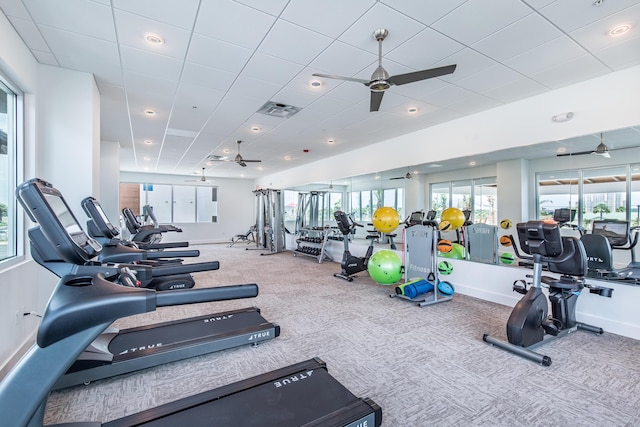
(135, 341)
(307, 396)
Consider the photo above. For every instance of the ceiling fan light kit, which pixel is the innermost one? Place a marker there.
(381, 80)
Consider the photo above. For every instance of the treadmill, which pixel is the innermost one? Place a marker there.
(81, 307)
(59, 238)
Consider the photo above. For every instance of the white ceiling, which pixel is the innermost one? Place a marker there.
(222, 60)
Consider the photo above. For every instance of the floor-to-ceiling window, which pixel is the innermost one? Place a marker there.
(8, 170)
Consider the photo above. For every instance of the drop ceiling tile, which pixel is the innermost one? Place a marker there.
(272, 7)
(579, 69)
(596, 36)
(255, 88)
(475, 19)
(400, 28)
(45, 58)
(446, 96)
(271, 69)
(525, 34)
(342, 59)
(294, 96)
(331, 17)
(29, 33)
(489, 78)
(293, 43)
(348, 91)
(515, 90)
(621, 55)
(148, 63)
(539, 4)
(233, 22)
(208, 77)
(218, 54)
(14, 9)
(468, 62)
(179, 13)
(424, 49)
(425, 11)
(78, 16)
(545, 56)
(132, 30)
(82, 53)
(569, 16)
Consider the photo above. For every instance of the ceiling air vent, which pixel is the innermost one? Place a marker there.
(278, 109)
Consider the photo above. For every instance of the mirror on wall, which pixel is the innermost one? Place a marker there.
(594, 163)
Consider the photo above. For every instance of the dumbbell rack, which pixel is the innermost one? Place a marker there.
(312, 242)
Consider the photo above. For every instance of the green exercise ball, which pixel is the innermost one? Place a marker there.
(456, 252)
(385, 267)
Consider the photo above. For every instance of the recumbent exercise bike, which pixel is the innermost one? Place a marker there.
(529, 325)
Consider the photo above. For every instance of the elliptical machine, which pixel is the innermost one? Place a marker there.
(351, 264)
(529, 324)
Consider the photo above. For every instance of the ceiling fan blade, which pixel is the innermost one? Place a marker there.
(376, 99)
(579, 153)
(349, 79)
(397, 177)
(415, 76)
(249, 161)
(243, 164)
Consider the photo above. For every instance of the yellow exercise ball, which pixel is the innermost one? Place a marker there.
(386, 219)
(454, 216)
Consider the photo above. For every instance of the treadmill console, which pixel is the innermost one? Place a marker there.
(94, 210)
(539, 237)
(45, 205)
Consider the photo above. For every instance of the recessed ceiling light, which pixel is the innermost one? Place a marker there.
(412, 110)
(376, 177)
(153, 39)
(150, 112)
(472, 163)
(315, 83)
(148, 141)
(255, 129)
(147, 158)
(619, 30)
(597, 3)
(561, 150)
(226, 151)
(416, 172)
(287, 157)
(331, 141)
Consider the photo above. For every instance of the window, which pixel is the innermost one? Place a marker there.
(478, 195)
(365, 203)
(8, 171)
(601, 193)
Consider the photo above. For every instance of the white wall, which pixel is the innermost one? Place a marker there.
(68, 147)
(109, 179)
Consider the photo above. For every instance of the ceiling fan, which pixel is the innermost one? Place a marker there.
(381, 80)
(201, 179)
(238, 159)
(600, 150)
(406, 176)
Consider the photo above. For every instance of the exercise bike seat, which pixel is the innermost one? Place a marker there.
(572, 270)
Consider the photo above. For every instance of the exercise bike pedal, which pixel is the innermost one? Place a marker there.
(552, 326)
(520, 286)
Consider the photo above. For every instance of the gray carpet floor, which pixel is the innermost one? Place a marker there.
(424, 366)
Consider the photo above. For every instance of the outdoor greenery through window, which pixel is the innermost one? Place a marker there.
(480, 196)
(8, 169)
(602, 193)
